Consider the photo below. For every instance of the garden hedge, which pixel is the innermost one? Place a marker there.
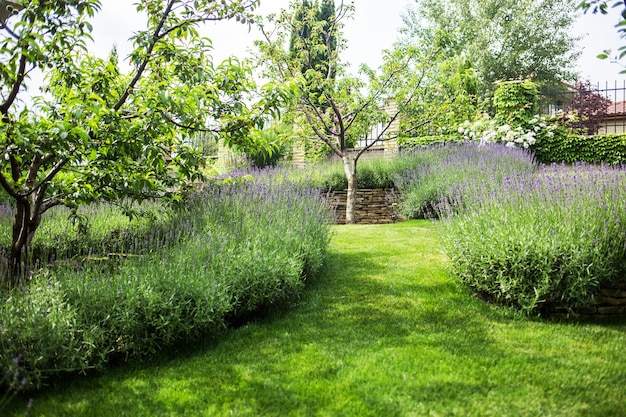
(572, 148)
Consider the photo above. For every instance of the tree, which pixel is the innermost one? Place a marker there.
(308, 15)
(304, 31)
(337, 107)
(590, 106)
(98, 134)
(326, 15)
(503, 39)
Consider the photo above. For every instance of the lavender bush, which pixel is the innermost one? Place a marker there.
(93, 231)
(371, 173)
(440, 171)
(543, 242)
(238, 246)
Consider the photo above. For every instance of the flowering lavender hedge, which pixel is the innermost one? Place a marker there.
(543, 242)
(371, 173)
(440, 171)
(237, 247)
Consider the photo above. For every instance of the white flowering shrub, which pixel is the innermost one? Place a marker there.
(485, 130)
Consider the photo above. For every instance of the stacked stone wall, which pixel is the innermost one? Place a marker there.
(372, 206)
(609, 301)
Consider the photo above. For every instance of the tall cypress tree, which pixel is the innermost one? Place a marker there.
(326, 15)
(303, 31)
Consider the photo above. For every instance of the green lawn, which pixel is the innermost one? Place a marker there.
(384, 331)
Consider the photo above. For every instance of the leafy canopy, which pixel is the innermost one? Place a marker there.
(96, 133)
(502, 39)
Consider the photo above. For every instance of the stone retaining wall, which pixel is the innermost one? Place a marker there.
(608, 302)
(372, 206)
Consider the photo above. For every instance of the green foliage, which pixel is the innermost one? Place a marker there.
(238, 247)
(544, 242)
(314, 25)
(434, 174)
(268, 146)
(314, 150)
(413, 142)
(449, 97)
(377, 173)
(373, 173)
(486, 130)
(503, 39)
(337, 108)
(206, 143)
(516, 103)
(100, 135)
(385, 317)
(568, 147)
(95, 230)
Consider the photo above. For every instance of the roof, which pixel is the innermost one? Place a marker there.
(616, 109)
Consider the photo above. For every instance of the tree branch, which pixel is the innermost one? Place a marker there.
(21, 73)
(51, 174)
(8, 188)
(142, 67)
(186, 127)
(321, 135)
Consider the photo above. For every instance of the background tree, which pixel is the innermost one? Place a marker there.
(308, 14)
(502, 39)
(98, 134)
(590, 106)
(304, 31)
(305, 34)
(337, 107)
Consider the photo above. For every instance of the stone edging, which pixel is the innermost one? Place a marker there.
(609, 301)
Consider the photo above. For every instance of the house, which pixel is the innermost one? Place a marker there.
(615, 120)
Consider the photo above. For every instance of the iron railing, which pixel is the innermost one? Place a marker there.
(566, 98)
(372, 135)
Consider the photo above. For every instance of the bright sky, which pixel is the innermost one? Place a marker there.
(373, 28)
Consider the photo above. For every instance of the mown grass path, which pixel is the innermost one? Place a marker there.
(384, 332)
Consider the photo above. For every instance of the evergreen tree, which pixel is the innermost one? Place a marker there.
(301, 29)
(326, 17)
(309, 14)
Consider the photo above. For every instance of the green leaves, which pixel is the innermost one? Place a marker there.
(516, 102)
(503, 39)
(98, 134)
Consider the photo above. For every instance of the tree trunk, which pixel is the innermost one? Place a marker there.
(25, 225)
(349, 167)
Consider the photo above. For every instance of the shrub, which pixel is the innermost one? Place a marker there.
(40, 333)
(103, 229)
(571, 147)
(440, 171)
(487, 131)
(543, 242)
(408, 143)
(371, 173)
(267, 147)
(237, 247)
(516, 103)
(589, 106)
